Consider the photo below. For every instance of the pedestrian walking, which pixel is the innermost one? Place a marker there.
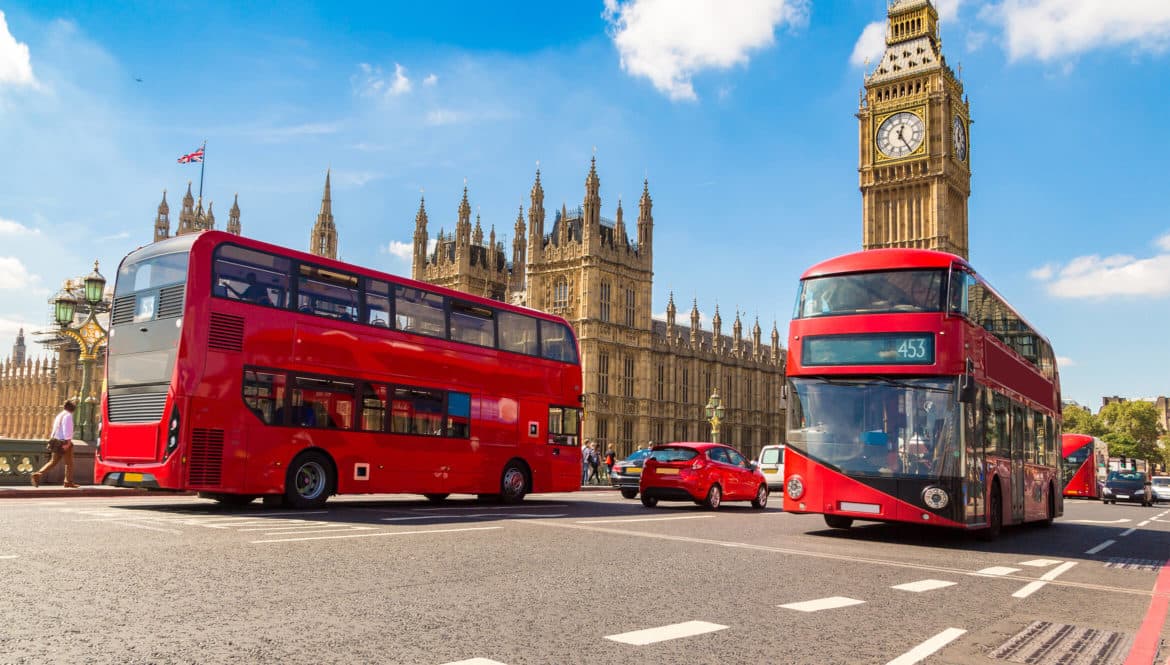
(594, 463)
(585, 462)
(610, 459)
(60, 446)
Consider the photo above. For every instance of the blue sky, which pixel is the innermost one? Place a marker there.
(741, 115)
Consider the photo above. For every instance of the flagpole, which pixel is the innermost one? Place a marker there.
(201, 163)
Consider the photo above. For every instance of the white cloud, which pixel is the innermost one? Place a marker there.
(947, 9)
(1118, 275)
(439, 117)
(1065, 361)
(669, 41)
(401, 84)
(13, 274)
(355, 178)
(870, 45)
(9, 227)
(1052, 29)
(431, 79)
(15, 65)
(371, 81)
(403, 250)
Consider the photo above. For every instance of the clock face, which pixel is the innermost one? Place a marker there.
(959, 132)
(900, 134)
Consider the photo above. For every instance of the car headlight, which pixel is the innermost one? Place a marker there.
(794, 487)
(935, 498)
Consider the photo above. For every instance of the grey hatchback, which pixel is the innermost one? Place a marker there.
(627, 473)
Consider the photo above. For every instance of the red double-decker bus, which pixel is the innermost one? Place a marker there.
(241, 369)
(1080, 465)
(916, 394)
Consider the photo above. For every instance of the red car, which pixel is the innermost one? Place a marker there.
(706, 473)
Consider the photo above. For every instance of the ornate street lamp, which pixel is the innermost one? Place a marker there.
(89, 337)
(714, 410)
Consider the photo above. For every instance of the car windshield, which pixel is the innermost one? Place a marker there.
(673, 454)
(1126, 476)
(1162, 482)
(638, 455)
(772, 456)
(867, 293)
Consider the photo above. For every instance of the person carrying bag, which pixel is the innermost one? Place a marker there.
(60, 446)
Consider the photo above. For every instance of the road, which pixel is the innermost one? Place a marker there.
(571, 578)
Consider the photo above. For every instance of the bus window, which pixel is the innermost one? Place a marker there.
(458, 415)
(325, 403)
(417, 411)
(563, 425)
(152, 273)
(374, 407)
(556, 342)
(419, 312)
(517, 333)
(264, 394)
(472, 324)
(327, 293)
(377, 304)
(256, 277)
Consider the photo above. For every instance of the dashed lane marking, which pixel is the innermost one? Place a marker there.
(380, 533)
(1100, 547)
(476, 661)
(1139, 524)
(997, 571)
(501, 508)
(1041, 563)
(830, 603)
(9, 556)
(1130, 530)
(663, 633)
(923, 585)
(149, 528)
(493, 515)
(644, 519)
(920, 652)
(1033, 587)
(333, 529)
(1116, 521)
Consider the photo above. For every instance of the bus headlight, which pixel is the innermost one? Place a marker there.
(935, 498)
(794, 487)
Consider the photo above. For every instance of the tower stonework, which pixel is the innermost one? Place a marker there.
(644, 379)
(192, 218)
(162, 221)
(915, 169)
(323, 239)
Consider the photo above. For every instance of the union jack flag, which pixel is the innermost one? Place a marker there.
(196, 157)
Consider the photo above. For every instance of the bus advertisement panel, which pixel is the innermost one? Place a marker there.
(241, 369)
(916, 394)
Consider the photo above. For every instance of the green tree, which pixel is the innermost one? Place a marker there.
(1133, 424)
(1079, 420)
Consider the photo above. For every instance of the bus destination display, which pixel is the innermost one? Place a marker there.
(872, 349)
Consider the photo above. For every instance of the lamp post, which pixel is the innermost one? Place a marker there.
(714, 410)
(89, 336)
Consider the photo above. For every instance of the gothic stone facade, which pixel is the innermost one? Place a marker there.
(645, 380)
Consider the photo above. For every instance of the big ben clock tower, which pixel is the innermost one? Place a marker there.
(915, 171)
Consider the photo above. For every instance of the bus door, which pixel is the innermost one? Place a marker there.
(1017, 451)
(563, 447)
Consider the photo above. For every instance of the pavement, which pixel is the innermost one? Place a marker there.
(56, 491)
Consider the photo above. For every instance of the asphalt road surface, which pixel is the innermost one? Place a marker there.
(568, 578)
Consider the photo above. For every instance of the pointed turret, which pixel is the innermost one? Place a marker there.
(536, 220)
(18, 349)
(591, 208)
(716, 329)
(233, 225)
(695, 324)
(756, 350)
(671, 310)
(477, 234)
(162, 222)
(418, 266)
(187, 213)
(775, 342)
(323, 239)
(492, 253)
(463, 226)
(519, 260)
(646, 224)
(209, 219)
(619, 228)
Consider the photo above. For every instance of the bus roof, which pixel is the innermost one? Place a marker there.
(883, 259)
(1071, 442)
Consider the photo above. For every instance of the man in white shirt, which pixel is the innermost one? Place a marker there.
(60, 446)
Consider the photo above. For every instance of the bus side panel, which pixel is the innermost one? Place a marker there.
(1084, 482)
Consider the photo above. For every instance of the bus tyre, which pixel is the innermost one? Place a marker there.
(310, 480)
(629, 494)
(1051, 514)
(761, 500)
(436, 498)
(994, 515)
(513, 483)
(838, 521)
(714, 497)
(649, 501)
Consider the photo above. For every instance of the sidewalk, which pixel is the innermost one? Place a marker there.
(57, 491)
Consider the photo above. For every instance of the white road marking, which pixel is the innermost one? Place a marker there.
(333, 529)
(644, 519)
(287, 526)
(1040, 563)
(151, 528)
(997, 571)
(663, 633)
(923, 585)
(1140, 524)
(381, 533)
(525, 507)
(1131, 530)
(476, 661)
(1117, 521)
(435, 517)
(1100, 547)
(1032, 587)
(9, 556)
(830, 603)
(920, 652)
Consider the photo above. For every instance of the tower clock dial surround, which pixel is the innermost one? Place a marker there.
(959, 134)
(900, 134)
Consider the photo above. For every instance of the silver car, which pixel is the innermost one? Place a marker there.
(1161, 485)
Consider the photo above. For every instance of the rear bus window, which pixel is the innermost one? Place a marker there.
(556, 342)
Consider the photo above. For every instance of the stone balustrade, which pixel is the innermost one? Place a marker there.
(20, 457)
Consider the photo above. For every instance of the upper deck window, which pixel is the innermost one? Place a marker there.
(871, 293)
(251, 276)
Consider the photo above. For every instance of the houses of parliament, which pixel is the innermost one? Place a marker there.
(648, 379)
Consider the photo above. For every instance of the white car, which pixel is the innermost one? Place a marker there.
(1161, 485)
(771, 462)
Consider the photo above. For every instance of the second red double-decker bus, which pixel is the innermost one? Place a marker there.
(241, 369)
(1080, 465)
(916, 394)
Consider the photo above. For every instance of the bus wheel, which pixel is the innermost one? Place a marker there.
(761, 500)
(310, 480)
(513, 484)
(436, 498)
(1051, 515)
(994, 516)
(714, 497)
(629, 494)
(838, 521)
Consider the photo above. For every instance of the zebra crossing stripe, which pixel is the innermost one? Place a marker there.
(663, 633)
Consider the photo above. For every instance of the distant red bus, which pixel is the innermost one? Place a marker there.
(241, 369)
(916, 394)
(1080, 465)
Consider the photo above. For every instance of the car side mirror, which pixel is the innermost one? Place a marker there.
(752, 464)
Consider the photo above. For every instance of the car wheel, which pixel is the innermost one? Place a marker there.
(714, 497)
(513, 484)
(761, 500)
(838, 521)
(649, 501)
(436, 498)
(310, 480)
(629, 494)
